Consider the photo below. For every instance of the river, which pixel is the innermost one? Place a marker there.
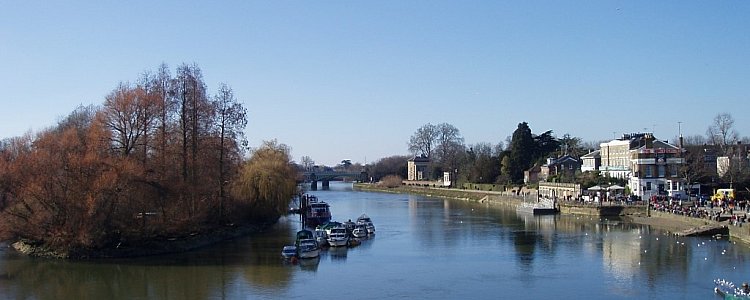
(424, 248)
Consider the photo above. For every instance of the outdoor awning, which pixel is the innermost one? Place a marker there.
(615, 187)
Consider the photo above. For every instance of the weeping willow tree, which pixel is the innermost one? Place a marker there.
(266, 183)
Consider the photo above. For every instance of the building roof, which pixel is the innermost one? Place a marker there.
(659, 145)
(561, 160)
(594, 154)
(565, 158)
(422, 158)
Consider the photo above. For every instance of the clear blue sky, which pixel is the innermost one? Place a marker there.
(354, 79)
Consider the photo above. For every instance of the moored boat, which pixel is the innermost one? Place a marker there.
(289, 251)
(315, 212)
(337, 236)
(365, 220)
(308, 248)
(729, 291)
(359, 231)
(303, 234)
(321, 236)
(541, 207)
(349, 225)
(328, 225)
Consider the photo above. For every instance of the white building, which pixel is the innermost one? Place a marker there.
(656, 170)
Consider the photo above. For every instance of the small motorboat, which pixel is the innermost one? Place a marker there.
(728, 290)
(289, 252)
(359, 231)
(365, 220)
(302, 235)
(337, 236)
(308, 248)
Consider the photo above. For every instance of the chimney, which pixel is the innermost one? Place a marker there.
(649, 140)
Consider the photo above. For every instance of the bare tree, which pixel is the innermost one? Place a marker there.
(721, 132)
(129, 115)
(163, 91)
(231, 119)
(693, 140)
(423, 140)
(307, 162)
(450, 144)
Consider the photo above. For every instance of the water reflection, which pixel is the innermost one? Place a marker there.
(309, 264)
(338, 254)
(425, 248)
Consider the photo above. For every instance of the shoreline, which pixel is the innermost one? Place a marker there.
(665, 221)
(153, 247)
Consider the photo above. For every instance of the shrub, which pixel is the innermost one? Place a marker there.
(390, 181)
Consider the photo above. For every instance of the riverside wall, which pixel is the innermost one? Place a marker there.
(512, 200)
(740, 232)
(506, 199)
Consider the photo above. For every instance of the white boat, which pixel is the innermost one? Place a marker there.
(541, 207)
(365, 220)
(337, 236)
(359, 231)
(727, 290)
(289, 251)
(308, 248)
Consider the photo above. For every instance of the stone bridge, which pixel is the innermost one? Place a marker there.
(326, 176)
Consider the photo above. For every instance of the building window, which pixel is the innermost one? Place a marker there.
(648, 186)
(662, 171)
(649, 172)
(674, 171)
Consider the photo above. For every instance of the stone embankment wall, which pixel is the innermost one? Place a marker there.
(512, 200)
(740, 232)
(493, 197)
(697, 222)
(606, 210)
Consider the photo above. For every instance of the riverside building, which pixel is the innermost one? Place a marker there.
(650, 166)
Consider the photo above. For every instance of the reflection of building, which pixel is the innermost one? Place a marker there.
(621, 254)
(656, 169)
(418, 167)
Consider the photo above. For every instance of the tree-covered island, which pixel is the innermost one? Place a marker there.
(160, 166)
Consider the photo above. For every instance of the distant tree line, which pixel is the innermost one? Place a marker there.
(505, 163)
(160, 157)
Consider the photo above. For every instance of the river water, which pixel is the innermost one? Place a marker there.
(424, 248)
